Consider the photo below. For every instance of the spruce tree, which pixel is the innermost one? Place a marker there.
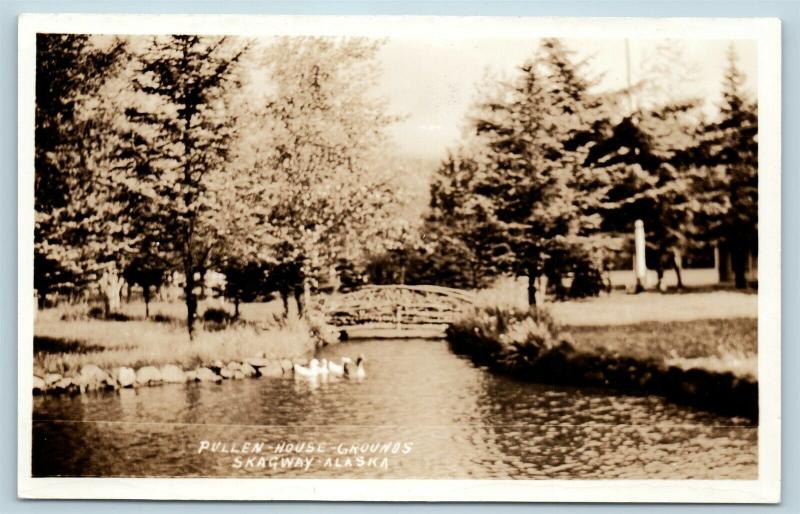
(466, 245)
(643, 158)
(726, 167)
(532, 173)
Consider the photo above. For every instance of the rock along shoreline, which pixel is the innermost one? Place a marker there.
(94, 378)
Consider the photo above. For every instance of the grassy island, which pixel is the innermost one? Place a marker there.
(708, 362)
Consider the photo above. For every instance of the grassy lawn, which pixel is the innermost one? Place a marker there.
(711, 330)
(676, 339)
(714, 344)
(64, 345)
(716, 331)
(620, 308)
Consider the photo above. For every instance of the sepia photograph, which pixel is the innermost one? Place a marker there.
(514, 253)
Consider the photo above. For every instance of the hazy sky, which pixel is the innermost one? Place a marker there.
(433, 82)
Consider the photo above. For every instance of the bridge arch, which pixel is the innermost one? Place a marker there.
(397, 311)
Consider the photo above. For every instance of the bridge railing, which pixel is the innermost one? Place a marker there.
(465, 296)
(399, 304)
(400, 317)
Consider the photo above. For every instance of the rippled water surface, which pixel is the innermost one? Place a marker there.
(422, 412)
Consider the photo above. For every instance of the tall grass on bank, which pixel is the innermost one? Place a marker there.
(65, 346)
(511, 338)
(163, 311)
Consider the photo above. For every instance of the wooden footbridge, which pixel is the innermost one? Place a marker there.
(397, 311)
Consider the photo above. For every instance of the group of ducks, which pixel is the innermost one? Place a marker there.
(326, 368)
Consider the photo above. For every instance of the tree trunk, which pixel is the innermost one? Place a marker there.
(299, 300)
(191, 301)
(532, 289)
(676, 265)
(203, 283)
(474, 269)
(542, 288)
(302, 295)
(334, 278)
(724, 262)
(236, 308)
(146, 296)
(659, 275)
(112, 301)
(285, 297)
(739, 265)
(555, 278)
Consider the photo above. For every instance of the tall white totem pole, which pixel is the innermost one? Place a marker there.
(640, 266)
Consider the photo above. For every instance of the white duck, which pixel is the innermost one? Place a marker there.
(337, 370)
(310, 371)
(358, 372)
(322, 370)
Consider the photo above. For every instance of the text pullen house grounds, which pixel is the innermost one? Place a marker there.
(504, 252)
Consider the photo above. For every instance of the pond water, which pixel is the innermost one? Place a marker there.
(422, 412)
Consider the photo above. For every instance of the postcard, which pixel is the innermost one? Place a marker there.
(399, 258)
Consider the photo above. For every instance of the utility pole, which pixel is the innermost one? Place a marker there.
(628, 75)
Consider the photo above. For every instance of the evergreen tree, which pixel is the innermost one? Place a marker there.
(70, 73)
(643, 158)
(465, 243)
(726, 173)
(532, 177)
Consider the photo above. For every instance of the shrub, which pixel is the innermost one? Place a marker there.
(162, 318)
(510, 337)
(82, 312)
(216, 319)
(524, 342)
(587, 281)
(319, 329)
(116, 316)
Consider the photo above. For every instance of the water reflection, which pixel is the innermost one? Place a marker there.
(461, 422)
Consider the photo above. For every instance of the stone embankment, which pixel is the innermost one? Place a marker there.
(94, 378)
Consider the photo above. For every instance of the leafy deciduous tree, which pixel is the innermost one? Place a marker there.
(317, 182)
(181, 126)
